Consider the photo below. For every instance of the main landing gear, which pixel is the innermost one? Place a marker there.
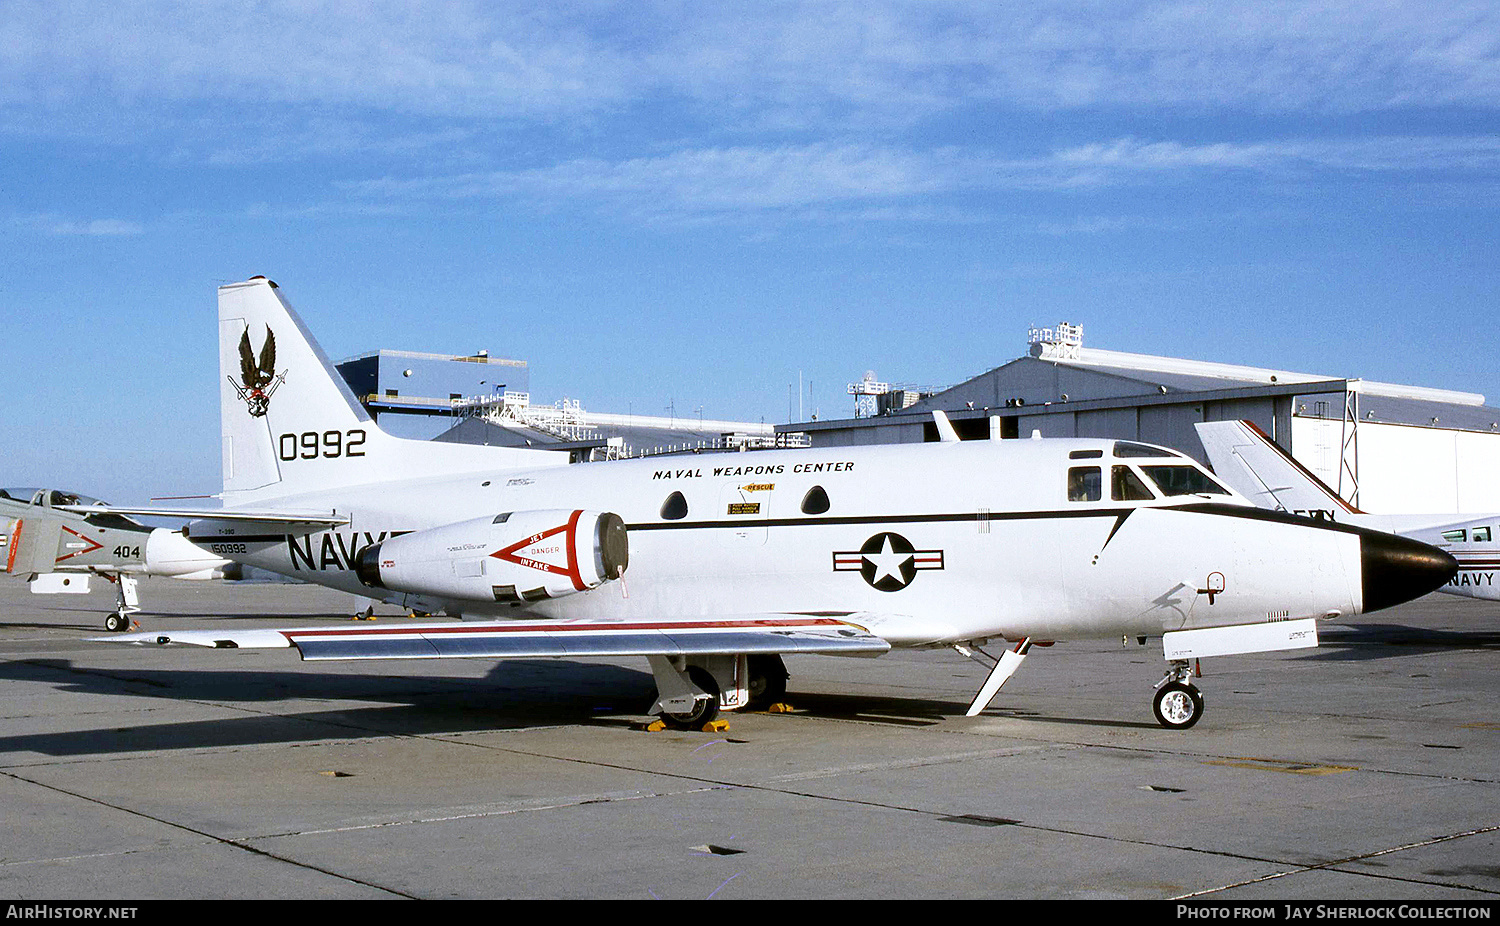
(767, 682)
(1178, 703)
(704, 709)
(127, 602)
(691, 691)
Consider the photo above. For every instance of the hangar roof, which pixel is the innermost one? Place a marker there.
(1087, 374)
(637, 438)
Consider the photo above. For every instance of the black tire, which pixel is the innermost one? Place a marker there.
(767, 681)
(117, 623)
(1178, 706)
(704, 709)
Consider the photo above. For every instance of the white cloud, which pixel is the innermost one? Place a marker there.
(788, 64)
(48, 223)
(714, 179)
(89, 228)
(1429, 155)
(870, 181)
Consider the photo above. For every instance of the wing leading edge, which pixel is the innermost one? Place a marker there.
(738, 634)
(207, 521)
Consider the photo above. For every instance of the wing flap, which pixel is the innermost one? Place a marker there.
(749, 634)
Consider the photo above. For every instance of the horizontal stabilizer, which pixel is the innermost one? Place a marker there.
(756, 633)
(1240, 638)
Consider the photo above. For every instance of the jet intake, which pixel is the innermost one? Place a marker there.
(515, 557)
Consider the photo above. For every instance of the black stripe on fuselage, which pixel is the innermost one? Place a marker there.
(247, 538)
(1119, 514)
(880, 519)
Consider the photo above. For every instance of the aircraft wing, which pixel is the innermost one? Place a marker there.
(736, 633)
(207, 519)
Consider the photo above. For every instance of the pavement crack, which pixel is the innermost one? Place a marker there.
(1337, 865)
(221, 840)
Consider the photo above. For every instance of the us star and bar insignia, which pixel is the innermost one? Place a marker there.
(887, 561)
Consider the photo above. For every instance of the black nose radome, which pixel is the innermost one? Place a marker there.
(1398, 569)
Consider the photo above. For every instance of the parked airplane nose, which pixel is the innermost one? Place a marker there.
(1397, 569)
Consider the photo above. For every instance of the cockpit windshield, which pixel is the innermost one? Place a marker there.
(50, 497)
(1152, 473)
(1183, 480)
(55, 498)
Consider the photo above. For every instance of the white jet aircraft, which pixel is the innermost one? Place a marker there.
(713, 566)
(1256, 466)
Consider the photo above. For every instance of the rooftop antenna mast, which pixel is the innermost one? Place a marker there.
(866, 405)
(1062, 342)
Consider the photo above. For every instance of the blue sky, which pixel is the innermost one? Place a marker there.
(692, 204)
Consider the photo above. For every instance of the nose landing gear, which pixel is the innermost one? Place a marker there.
(1178, 703)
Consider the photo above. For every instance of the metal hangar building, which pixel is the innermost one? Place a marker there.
(480, 399)
(1385, 448)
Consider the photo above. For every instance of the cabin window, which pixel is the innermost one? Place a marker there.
(1125, 448)
(1085, 484)
(675, 508)
(1455, 536)
(1126, 486)
(1482, 534)
(1183, 480)
(1085, 454)
(815, 501)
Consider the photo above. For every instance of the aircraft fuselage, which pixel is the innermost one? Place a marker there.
(981, 542)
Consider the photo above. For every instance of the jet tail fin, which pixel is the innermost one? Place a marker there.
(33, 545)
(1256, 467)
(290, 424)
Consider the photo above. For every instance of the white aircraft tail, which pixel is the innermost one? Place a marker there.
(1255, 466)
(290, 422)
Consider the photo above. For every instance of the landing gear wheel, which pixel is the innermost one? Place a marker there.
(1178, 706)
(767, 681)
(704, 709)
(117, 622)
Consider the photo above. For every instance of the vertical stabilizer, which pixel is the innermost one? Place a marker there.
(276, 387)
(1254, 466)
(290, 424)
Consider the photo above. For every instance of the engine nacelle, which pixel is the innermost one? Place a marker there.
(513, 557)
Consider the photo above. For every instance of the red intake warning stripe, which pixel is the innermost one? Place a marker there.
(570, 530)
(92, 546)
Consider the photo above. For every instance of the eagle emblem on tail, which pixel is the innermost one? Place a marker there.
(258, 377)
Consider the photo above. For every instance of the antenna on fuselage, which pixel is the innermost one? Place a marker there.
(946, 432)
